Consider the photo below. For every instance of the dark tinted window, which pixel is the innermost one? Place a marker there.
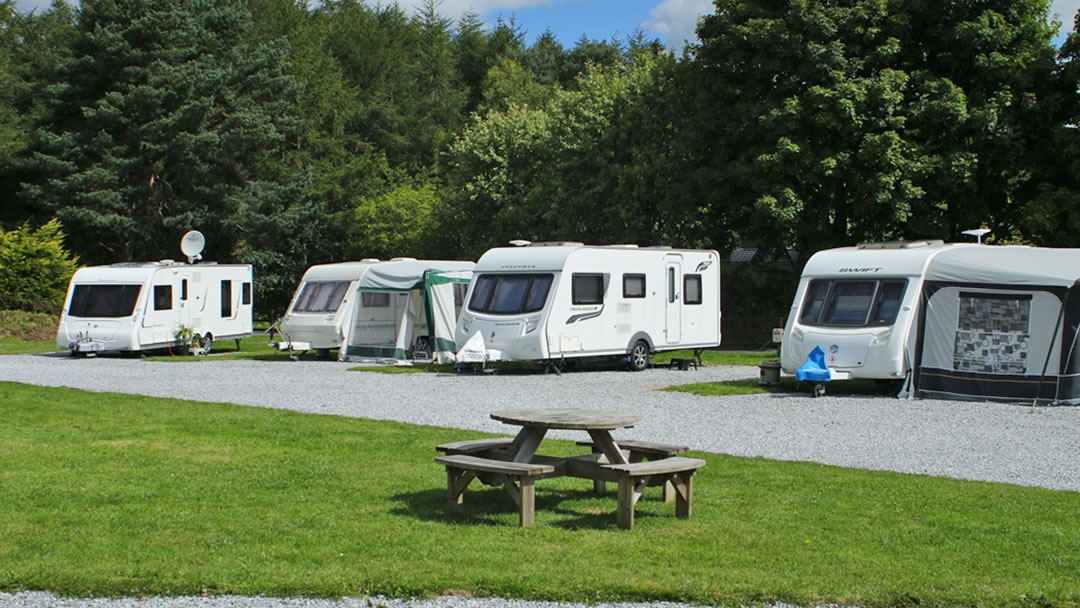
(852, 303)
(226, 299)
(670, 284)
(692, 289)
(814, 301)
(245, 294)
(183, 289)
(162, 297)
(510, 293)
(538, 292)
(104, 300)
(633, 286)
(587, 289)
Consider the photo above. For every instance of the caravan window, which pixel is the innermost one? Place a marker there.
(245, 294)
(587, 289)
(633, 286)
(508, 294)
(226, 299)
(852, 303)
(162, 297)
(104, 300)
(692, 289)
(375, 299)
(321, 296)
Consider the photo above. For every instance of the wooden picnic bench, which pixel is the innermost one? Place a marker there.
(515, 464)
(475, 446)
(634, 477)
(639, 451)
(518, 478)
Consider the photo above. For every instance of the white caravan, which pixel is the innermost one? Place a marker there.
(860, 304)
(376, 309)
(556, 301)
(144, 306)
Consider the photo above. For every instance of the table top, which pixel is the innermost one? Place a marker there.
(567, 418)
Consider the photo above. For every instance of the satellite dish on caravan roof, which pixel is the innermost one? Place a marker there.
(192, 245)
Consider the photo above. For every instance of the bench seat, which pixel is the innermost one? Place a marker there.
(517, 478)
(641, 450)
(475, 446)
(635, 476)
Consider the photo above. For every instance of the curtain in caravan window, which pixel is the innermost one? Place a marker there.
(993, 333)
(692, 289)
(321, 296)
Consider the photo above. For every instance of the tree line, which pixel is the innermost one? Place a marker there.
(293, 135)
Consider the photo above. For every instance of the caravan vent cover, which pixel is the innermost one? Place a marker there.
(901, 244)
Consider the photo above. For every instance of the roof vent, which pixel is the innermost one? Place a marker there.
(402, 259)
(370, 260)
(902, 244)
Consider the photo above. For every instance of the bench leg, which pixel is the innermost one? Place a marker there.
(684, 493)
(629, 493)
(527, 512)
(456, 482)
(523, 491)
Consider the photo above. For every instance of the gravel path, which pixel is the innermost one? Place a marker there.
(979, 441)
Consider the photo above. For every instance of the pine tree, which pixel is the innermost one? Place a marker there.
(167, 121)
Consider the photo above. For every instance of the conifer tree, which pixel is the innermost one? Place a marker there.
(167, 121)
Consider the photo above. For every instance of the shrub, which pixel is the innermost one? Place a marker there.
(34, 268)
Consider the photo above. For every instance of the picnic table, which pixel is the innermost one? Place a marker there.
(516, 465)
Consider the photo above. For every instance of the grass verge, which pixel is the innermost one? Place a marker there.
(718, 357)
(750, 386)
(111, 494)
(24, 333)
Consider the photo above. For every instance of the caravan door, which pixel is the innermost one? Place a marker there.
(673, 303)
(159, 319)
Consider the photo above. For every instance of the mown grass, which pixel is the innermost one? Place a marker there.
(718, 357)
(110, 494)
(788, 384)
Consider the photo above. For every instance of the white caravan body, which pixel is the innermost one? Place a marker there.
(321, 306)
(861, 305)
(567, 300)
(375, 309)
(141, 306)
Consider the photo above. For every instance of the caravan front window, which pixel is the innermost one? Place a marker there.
(321, 296)
(508, 294)
(852, 303)
(104, 300)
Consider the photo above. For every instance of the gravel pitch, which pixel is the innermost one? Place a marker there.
(1015, 444)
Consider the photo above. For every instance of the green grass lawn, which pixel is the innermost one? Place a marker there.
(718, 357)
(110, 494)
(16, 346)
(750, 386)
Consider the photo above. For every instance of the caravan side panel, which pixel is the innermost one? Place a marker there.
(983, 343)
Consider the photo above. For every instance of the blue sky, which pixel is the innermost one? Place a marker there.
(672, 21)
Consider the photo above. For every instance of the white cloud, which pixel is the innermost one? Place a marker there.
(1065, 11)
(676, 20)
(454, 9)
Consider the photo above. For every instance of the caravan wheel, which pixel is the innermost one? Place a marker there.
(206, 343)
(639, 356)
